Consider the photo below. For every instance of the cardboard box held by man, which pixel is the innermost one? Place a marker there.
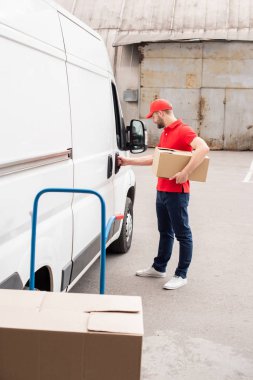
(168, 162)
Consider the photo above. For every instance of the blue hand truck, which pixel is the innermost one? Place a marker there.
(105, 229)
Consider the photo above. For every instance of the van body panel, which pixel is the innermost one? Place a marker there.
(92, 135)
(35, 115)
(33, 18)
(87, 46)
(54, 220)
(72, 18)
(35, 123)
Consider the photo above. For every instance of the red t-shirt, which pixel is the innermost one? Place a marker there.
(175, 136)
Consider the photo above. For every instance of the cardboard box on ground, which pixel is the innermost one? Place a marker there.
(168, 162)
(68, 336)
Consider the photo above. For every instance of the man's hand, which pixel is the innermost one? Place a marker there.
(180, 177)
(122, 161)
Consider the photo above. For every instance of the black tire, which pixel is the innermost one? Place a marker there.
(123, 243)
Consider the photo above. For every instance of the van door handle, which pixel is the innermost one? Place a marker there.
(109, 166)
(117, 166)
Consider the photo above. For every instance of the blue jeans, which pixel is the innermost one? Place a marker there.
(172, 216)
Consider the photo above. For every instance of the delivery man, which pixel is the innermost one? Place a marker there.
(172, 194)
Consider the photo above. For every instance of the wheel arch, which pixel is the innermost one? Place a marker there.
(43, 279)
(131, 193)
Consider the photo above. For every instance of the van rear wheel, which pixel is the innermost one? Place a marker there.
(123, 243)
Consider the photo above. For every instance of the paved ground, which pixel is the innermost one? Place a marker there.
(203, 331)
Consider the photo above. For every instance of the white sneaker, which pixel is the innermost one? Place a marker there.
(175, 282)
(150, 272)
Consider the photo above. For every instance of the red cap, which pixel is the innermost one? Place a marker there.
(158, 105)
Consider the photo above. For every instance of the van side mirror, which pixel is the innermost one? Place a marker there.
(137, 137)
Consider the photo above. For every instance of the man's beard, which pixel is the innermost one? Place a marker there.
(160, 123)
(160, 126)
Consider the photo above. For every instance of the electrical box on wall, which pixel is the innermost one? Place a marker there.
(130, 95)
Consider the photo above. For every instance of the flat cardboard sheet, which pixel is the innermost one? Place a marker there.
(92, 302)
(20, 300)
(59, 336)
(48, 320)
(123, 323)
(70, 312)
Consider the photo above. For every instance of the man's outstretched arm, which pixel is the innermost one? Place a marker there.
(142, 161)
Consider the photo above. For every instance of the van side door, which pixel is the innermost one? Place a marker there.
(92, 135)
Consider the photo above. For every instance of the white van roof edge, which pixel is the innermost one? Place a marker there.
(80, 23)
(73, 18)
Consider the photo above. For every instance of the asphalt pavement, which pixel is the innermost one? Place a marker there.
(204, 330)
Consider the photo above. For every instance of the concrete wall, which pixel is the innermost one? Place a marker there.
(210, 85)
(127, 73)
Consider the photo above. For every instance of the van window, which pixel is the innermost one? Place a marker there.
(119, 121)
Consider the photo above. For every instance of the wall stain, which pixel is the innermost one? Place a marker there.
(201, 109)
(241, 142)
(191, 81)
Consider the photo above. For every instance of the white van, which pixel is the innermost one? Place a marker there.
(60, 126)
